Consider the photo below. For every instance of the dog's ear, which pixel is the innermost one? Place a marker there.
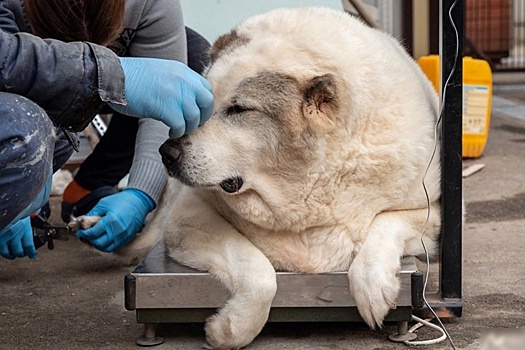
(225, 42)
(320, 102)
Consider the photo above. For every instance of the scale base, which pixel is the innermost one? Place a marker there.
(160, 290)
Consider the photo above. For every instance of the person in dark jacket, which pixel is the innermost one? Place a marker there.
(131, 28)
(50, 89)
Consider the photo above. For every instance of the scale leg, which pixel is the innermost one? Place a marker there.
(149, 338)
(402, 333)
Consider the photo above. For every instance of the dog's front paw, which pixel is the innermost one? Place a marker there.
(239, 321)
(223, 333)
(219, 333)
(374, 287)
(83, 222)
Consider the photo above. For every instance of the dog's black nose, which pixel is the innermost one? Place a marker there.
(171, 153)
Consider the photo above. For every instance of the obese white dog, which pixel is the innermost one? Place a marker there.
(313, 161)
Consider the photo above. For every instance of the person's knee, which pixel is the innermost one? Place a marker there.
(26, 154)
(28, 134)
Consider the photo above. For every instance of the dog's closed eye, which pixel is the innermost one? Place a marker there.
(237, 109)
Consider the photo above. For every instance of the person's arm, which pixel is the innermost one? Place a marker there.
(71, 81)
(159, 33)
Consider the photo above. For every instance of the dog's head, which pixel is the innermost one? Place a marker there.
(273, 106)
(268, 124)
(262, 141)
(284, 136)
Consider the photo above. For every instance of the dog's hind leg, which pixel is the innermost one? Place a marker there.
(373, 273)
(211, 244)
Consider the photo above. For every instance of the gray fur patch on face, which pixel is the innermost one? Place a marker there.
(272, 93)
(270, 104)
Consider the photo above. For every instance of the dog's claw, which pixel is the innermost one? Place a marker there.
(74, 224)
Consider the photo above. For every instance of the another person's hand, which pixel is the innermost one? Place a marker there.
(123, 216)
(16, 240)
(168, 91)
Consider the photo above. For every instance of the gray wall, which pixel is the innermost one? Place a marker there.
(212, 18)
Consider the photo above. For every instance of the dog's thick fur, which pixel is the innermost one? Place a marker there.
(313, 161)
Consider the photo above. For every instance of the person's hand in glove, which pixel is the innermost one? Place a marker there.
(16, 240)
(123, 216)
(165, 90)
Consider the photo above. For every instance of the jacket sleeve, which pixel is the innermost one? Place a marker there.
(7, 16)
(70, 81)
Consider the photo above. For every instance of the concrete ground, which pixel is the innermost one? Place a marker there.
(72, 297)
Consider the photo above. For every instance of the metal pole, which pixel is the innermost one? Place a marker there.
(451, 49)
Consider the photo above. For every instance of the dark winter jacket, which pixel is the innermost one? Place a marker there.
(70, 81)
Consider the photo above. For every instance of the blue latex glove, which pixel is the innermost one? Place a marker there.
(168, 91)
(16, 240)
(123, 216)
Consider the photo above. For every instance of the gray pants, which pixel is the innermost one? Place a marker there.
(28, 147)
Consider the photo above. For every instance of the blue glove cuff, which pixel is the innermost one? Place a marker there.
(144, 198)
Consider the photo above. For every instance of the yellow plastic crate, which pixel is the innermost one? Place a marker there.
(477, 99)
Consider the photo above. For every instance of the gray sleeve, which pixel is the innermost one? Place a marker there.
(160, 33)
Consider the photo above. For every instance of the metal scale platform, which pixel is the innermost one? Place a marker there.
(160, 290)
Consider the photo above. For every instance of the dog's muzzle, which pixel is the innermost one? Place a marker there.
(172, 156)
